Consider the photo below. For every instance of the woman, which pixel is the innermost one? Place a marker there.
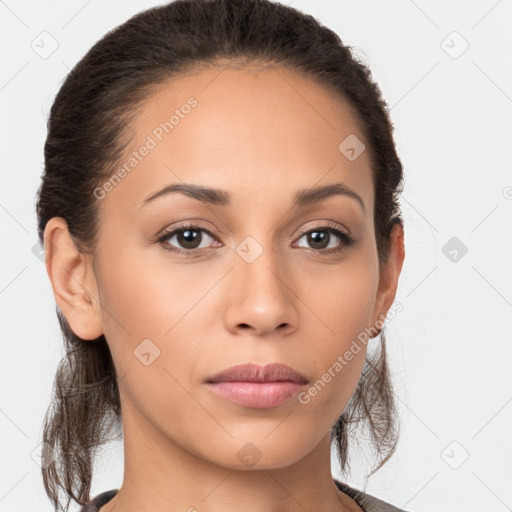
(220, 218)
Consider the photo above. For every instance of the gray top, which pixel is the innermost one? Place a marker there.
(365, 501)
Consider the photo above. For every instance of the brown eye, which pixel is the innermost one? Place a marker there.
(186, 239)
(326, 239)
(318, 239)
(189, 238)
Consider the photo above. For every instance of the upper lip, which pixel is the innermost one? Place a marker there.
(251, 372)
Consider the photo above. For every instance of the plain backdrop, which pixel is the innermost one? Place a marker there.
(445, 70)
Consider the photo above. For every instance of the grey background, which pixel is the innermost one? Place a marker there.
(445, 70)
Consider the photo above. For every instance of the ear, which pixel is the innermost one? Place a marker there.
(73, 280)
(390, 273)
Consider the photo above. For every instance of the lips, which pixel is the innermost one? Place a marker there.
(272, 372)
(258, 387)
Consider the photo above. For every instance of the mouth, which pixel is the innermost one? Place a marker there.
(260, 387)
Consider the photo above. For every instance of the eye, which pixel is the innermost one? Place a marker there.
(323, 239)
(186, 238)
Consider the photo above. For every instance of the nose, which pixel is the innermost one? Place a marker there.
(261, 298)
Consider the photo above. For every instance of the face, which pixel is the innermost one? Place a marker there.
(254, 276)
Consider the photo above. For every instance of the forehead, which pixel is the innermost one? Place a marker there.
(257, 128)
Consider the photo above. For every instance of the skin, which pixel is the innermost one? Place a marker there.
(260, 134)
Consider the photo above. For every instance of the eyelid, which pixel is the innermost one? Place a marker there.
(323, 224)
(187, 224)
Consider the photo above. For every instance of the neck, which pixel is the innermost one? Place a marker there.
(159, 474)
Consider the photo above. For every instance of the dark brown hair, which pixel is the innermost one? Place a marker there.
(88, 129)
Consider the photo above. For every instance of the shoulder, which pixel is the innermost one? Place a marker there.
(367, 502)
(101, 499)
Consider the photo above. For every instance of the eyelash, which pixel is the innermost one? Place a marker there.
(331, 228)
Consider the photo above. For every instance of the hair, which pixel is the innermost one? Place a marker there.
(88, 129)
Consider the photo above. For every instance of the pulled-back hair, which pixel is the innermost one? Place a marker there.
(88, 129)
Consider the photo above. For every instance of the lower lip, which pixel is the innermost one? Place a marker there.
(259, 395)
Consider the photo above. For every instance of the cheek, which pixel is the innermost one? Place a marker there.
(144, 297)
(150, 319)
(344, 301)
(154, 311)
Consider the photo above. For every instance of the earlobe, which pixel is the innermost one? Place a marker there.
(73, 281)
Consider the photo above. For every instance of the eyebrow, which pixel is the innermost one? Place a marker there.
(219, 197)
